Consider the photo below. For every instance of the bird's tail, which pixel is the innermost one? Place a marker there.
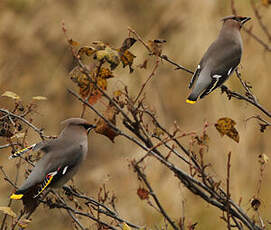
(17, 195)
(192, 99)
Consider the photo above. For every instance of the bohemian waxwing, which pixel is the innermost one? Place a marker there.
(62, 157)
(220, 60)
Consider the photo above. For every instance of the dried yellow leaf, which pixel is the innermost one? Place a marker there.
(158, 132)
(100, 45)
(24, 223)
(109, 55)
(11, 95)
(105, 73)
(263, 158)
(18, 135)
(127, 58)
(73, 43)
(8, 211)
(125, 226)
(85, 54)
(225, 126)
(39, 98)
(117, 93)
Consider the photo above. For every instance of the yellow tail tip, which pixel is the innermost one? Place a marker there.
(190, 102)
(16, 196)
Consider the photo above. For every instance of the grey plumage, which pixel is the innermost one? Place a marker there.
(62, 157)
(220, 60)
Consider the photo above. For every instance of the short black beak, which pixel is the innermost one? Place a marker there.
(89, 127)
(245, 20)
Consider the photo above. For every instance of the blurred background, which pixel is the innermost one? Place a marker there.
(35, 60)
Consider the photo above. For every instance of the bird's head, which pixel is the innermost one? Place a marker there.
(236, 21)
(78, 122)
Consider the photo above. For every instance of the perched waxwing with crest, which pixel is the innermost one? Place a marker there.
(61, 160)
(220, 60)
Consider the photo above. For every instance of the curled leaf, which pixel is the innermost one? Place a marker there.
(109, 55)
(225, 126)
(86, 87)
(11, 95)
(156, 46)
(86, 54)
(103, 127)
(143, 193)
(127, 58)
(73, 43)
(255, 204)
(8, 211)
(127, 44)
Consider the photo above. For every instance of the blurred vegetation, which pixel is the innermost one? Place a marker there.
(35, 60)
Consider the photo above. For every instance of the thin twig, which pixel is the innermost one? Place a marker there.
(228, 191)
(148, 79)
(259, 19)
(39, 131)
(151, 192)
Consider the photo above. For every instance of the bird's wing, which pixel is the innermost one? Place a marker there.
(194, 77)
(220, 74)
(43, 145)
(53, 177)
(222, 64)
(51, 168)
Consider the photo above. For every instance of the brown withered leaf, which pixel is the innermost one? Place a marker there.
(255, 204)
(225, 126)
(103, 128)
(99, 45)
(127, 44)
(87, 88)
(73, 43)
(143, 193)
(127, 58)
(86, 54)
(156, 46)
(266, 3)
(105, 73)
